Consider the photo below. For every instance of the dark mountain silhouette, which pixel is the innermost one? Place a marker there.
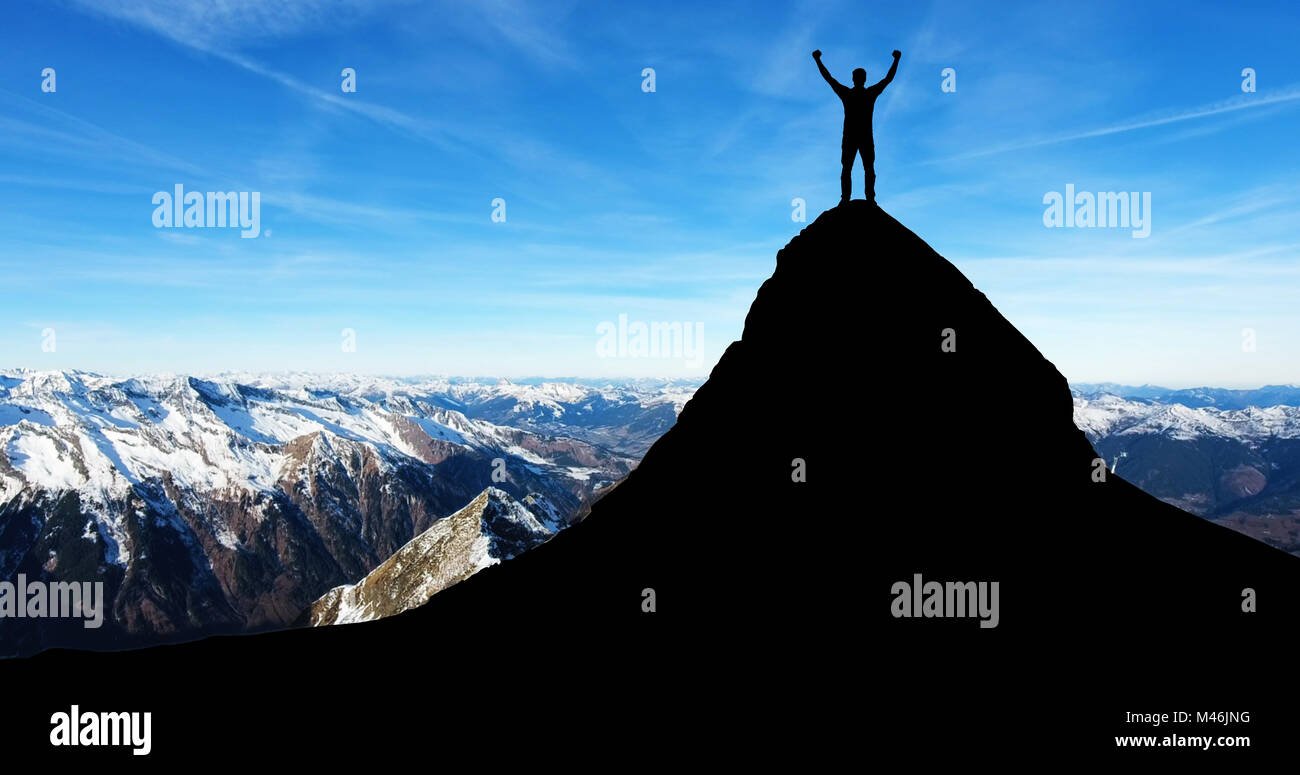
(773, 635)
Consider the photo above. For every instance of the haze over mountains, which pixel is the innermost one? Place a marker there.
(1219, 398)
(232, 504)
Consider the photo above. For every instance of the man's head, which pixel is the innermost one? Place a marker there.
(859, 77)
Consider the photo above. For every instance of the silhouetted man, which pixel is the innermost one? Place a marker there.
(859, 102)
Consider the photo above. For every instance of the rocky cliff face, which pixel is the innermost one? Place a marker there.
(492, 528)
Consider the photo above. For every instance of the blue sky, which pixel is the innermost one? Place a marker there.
(665, 206)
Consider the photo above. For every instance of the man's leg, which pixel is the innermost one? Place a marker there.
(868, 152)
(847, 151)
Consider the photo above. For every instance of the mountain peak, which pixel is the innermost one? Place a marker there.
(491, 528)
(981, 475)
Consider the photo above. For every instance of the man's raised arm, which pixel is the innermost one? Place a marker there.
(836, 85)
(883, 82)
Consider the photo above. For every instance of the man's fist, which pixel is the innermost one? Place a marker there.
(817, 54)
(897, 54)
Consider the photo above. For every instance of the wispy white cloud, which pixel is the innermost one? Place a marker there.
(526, 27)
(1250, 202)
(51, 130)
(200, 28)
(233, 23)
(1242, 102)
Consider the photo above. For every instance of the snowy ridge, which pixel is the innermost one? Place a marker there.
(492, 528)
(70, 430)
(1218, 398)
(554, 397)
(1109, 415)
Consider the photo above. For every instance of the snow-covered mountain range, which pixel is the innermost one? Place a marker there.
(626, 416)
(1198, 397)
(1239, 467)
(234, 502)
(1108, 415)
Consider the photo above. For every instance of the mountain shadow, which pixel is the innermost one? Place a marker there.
(950, 452)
